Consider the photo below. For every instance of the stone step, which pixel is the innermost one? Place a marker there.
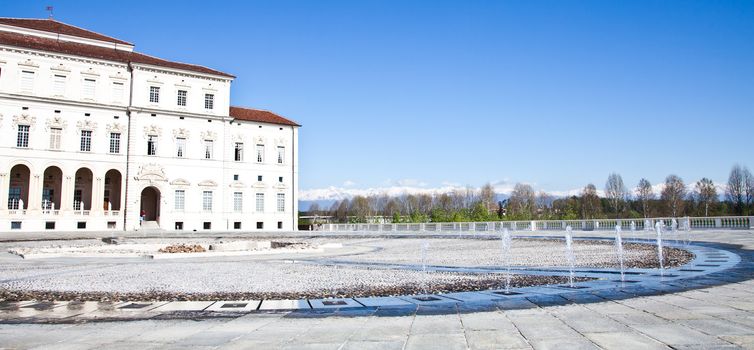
(150, 225)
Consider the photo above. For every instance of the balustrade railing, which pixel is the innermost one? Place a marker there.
(683, 223)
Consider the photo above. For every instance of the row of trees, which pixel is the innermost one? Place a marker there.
(675, 199)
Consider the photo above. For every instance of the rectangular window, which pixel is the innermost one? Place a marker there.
(280, 225)
(260, 202)
(115, 142)
(55, 135)
(281, 154)
(87, 88)
(14, 196)
(260, 225)
(27, 81)
(118, 91)
(209, 101)
(207, 200)
(58, 85)
(77, 195)
(151, 145)
(260, 153)
(182, 98)
(180, 147)
(237, 225)
(238, 202)
(281, 202)
(280, 179)
(259, 178)
(154, 94)
(207, 225)
(208, 149)
(239, 151)
(180, 200)
(23, 136)
(86, 141)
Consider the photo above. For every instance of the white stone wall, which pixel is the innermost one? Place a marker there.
(43, 107)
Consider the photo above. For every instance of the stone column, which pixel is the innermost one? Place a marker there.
(35, 192)
(98, 196)
(3, 191)
(66, 194)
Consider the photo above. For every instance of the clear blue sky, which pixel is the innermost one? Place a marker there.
(554, 93)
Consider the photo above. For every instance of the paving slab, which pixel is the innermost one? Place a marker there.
(436, 341)
(284, 305)
(383, 302)
(184, 306)
(624, 340)
(234, 306)
(334, 303)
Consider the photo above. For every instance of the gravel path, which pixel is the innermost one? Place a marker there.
(277, 277)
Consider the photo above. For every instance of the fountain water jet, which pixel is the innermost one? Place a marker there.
(658, 228)
(425, 277)
(505, 250)
(569, 255)
(619, 251)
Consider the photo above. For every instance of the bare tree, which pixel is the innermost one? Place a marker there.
(706, 194)
(487, 197)
(644, 194)
(544, 203)
(521, 202)
(359, 207)
(673, 195)
(736, 189)
(314, 209)
(590, 202)
(616, 193)
(749, 187)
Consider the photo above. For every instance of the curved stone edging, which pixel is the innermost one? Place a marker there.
(713, 264)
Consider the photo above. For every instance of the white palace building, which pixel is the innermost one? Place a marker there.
(96, 136)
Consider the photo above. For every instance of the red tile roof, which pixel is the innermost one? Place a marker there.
(103, 53)
(53, 26)
(258, 115)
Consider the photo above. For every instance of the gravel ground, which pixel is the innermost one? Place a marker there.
(524, 252)
(278, 278)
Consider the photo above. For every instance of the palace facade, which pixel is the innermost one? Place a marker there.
(96, 136)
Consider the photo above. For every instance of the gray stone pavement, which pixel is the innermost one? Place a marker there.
(721, 316)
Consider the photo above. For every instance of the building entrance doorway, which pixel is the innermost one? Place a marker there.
(150, 204)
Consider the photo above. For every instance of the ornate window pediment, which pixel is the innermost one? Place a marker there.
(56, 122)
(281, 186)
(86, 124)
(118, 76)
(152, 130)
(181, 133)
(29, 63)
(280, 141)
(24, 119)
(151, 172)
(60, 68)
(238, 138)
(259, 140)
(180, 182)
(208, 183)
(90, 72)
(237, 184)
(209, 135)
(155, 80)
(116, 127)
(259, 184)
